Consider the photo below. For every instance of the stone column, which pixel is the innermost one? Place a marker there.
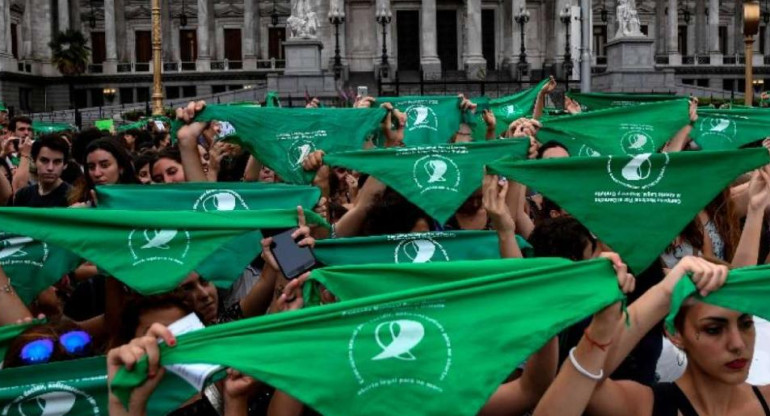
(475, 64)
(508, 35)
(5, 27)
(250, 28)
(673, 33)
(64, 15)
(660, 27)
(167, 23)
(121, 36)
(767, 42)
(429, 62)
(204, 57)
(713, 30)
(74, 13)
(26, 30)
(111, 58)
(701, 36)
(41, 30)
(738, 47)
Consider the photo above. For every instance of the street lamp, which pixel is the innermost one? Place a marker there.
(766, 14)
(522, 18)
(686, 16)
(109, 94)
(337, 17)
(566, 18)
(384, 17)
(183, 16)
(604, 13)
(92, 17)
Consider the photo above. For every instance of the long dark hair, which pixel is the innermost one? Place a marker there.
(81, 188)
(721, 211)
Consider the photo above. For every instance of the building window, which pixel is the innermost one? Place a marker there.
(217, 89)
(276, 36)
(600, 40)
(702, 82)
(235, 87)
(189, 91)
(723, 39)
(142, 94)
(188, 45)
(25, 99)
(688, 81)
(682, 39)
(172, 93)
(126, 95)
(97, 97)
(728, 84)
(645, 29)
(143, 46)
(98, 47)
(81, 98)
(233, 48)
(762, 31)
(14, 41)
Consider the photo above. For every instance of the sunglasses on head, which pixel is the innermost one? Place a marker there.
(41, 350)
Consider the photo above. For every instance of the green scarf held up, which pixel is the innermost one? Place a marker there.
(424, 350)
(281, 138)
(225, 265)
(644, 128)
(730, 129)
(637, 205)
(33, 265)
(77, 388)
(430, 120)
(746, 290)
(362, 280)
(150, 251)
(506, 109)
(438, 179)
(409, 248)
(601, 100)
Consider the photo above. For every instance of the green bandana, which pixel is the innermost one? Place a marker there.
(226, 264)
(437, 179)
(9, 332)
(106, 124)
(747, 290)
(729, 129)
(77, 388)
(433, 348)
(358, 281)
(272, 99)
(409, 248)
(141, 124)
(644, 128)
(44, 127)
(282, 137)
(600, 100)
(637, 205)
(150, 251)
(506, 110)
(429, 119)
(33, 265)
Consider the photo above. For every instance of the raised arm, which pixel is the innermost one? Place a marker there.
(13, 309)
(494, 200)
(747, 252)
(188, 141)
(21, 176)
(548, 88)
(6, 190)
(682, 137)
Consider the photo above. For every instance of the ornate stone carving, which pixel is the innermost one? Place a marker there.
(628, 20)
(303, 22)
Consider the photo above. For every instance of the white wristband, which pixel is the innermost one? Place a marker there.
(581, 370)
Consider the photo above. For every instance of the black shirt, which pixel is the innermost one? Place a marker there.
(29, 197)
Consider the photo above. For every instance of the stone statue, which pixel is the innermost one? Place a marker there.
(628, 20)
(303, 22)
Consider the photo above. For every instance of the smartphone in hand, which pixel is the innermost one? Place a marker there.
(292, 259)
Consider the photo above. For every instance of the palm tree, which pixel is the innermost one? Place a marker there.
(70, 55)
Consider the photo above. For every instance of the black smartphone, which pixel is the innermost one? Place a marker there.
(292, 259)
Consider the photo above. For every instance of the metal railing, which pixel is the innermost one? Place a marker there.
(95, 68)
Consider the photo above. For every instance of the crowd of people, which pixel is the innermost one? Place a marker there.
(599, 366)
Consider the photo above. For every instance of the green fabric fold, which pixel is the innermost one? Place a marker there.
(591, 101)
(430, 120)
(428, 349)
(730, 129)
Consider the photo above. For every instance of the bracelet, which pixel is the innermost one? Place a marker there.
(588, 338)
(7, 288)
(581, 370)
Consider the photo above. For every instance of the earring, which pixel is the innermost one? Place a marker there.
(681, 359)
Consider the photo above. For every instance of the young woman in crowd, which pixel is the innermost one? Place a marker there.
(106, 162)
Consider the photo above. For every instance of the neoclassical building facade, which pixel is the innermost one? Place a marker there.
(211, 46)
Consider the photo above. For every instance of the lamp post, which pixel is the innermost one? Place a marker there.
(92, 16)
(274, 15)
(109, 94)
(604, 13)
(566, 18)
(337, 17)
(183, 16)
(522, 18)
(750, 28)
(766, 14)
(157, 83)
(383, 17)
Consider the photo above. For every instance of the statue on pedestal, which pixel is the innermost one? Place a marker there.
(303, 22)
(628, 20)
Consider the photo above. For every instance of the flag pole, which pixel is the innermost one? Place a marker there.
(750, 27)
(585, 58)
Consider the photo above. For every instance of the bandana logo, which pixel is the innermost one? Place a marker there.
(225, 129)
(220, 200)
(298, 151)
(19, 250)
(421, 117)
(586, 151)
(642, 171)
(422, 250)
(158, 245)
(718, 128)
(53, 399)
(390, 351)
(436, 172)
(510, 110)
(636, 142)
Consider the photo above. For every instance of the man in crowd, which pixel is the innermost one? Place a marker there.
(49, 154)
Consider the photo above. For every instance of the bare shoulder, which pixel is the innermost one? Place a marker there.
(622, 397)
